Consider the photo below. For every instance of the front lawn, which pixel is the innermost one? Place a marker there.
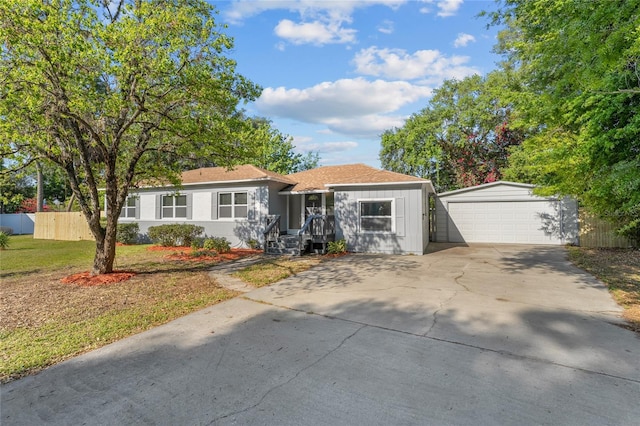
(43, 321)
(273, 270)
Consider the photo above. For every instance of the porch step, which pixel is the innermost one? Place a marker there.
(287, 244)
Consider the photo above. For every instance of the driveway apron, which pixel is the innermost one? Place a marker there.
(480, 334)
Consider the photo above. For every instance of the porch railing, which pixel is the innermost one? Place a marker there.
(319, 226)
(272, 231)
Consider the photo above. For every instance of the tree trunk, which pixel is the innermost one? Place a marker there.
(71, 200)
(40, 188)
(105, 248)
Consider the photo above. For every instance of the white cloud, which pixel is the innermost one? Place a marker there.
(448, 7)
(314, 32)
(242, 9)
(321, 22)
(367, 126)
(386, 27)
(463, 39)
(327, 147)
(430, 66)
(352, 106)
(445, 7)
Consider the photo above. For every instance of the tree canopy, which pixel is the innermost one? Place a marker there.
(275, 151)
(269, 149)
(460, 139)
(579, 64)
(106, 89)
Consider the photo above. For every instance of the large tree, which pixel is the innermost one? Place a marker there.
(461, 138)
(580, 64)
(103, 89)
(275, 151)
(270, 150)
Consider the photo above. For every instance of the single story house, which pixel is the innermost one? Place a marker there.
(375, 211)
(505, 212)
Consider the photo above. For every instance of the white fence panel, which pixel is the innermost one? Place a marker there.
(20, 223)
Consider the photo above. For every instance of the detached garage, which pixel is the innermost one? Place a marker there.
(505, 212)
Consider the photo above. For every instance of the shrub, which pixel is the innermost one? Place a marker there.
(337, 247)
(127, 233)
(172, 235)
(253, 244)
(7, 230)
(4, 241)
(219, 244)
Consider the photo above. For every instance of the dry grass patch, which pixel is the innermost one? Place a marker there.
(274, 270)
(619, 269)
(44, 321)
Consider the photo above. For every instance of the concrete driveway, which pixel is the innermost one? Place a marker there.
(465, 335)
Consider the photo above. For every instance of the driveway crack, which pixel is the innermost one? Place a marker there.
(295, 376)
(437, 311)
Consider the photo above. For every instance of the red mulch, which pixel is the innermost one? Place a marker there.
(85, 279)
(163, 248)
(219, 257)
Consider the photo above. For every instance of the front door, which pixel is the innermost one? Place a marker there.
(295, 213)
(312, 204)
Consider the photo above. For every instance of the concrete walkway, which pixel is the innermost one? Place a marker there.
(474, 335)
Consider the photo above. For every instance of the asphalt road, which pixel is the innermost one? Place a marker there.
(480, 335)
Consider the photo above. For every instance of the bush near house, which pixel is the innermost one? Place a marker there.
(174, 235)
(337, 247)
(127, 233)
(217, 244)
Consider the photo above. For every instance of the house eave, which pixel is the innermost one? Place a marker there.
(407, 183)
(309, 191)
(218, 182)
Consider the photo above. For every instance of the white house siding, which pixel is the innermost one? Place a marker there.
(202, 210)
(277, 203)
(505, 213)
(409, 236)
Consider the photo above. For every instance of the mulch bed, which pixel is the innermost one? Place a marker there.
(234, 254)
(85, 279)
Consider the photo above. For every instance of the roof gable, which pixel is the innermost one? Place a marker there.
(322, 177)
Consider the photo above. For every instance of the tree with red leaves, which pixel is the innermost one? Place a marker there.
(462, 138)
(30, 205)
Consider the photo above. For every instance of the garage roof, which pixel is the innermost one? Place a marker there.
(487, 185)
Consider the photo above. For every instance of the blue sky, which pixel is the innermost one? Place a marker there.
(336, 74)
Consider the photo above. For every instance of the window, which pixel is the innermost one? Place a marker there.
(174, 206)
(129, 208)
(232, 205)
(376, 216)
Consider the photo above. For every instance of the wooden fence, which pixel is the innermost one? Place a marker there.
(595, 232)
(71, 226)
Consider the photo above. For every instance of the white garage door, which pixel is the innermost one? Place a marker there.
(520, 222)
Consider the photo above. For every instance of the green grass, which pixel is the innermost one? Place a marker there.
(26, 254)
(271, 271)
(43, 321)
